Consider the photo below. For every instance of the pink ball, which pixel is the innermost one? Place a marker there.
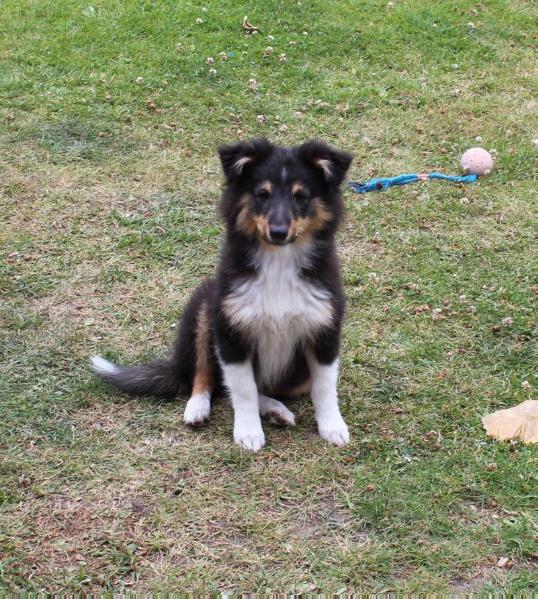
(476, 161)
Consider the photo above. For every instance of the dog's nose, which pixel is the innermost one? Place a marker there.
(278, 232)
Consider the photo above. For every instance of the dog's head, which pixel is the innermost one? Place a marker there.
(280, 195)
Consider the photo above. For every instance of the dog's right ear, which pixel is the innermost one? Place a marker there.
(237, 158)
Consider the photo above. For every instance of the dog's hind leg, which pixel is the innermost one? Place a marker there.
(275, 410)
(199, 405)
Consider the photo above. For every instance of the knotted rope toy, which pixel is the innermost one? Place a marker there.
(475, 163)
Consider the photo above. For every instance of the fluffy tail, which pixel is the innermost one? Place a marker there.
(161, 377)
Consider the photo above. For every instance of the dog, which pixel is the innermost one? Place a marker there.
(268, 324)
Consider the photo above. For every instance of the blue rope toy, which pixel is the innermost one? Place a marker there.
(383, 183)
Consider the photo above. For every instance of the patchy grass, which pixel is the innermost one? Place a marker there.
(108, 191)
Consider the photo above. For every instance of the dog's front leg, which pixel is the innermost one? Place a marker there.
(235, 360)
(324, 395)
(239, 379)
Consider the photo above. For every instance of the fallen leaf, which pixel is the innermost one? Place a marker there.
(24, 481)
(248, 27)
(437, 314)
(502, 562)
(519, 422)
(420, 309)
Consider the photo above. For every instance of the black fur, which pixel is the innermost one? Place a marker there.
(246, 166)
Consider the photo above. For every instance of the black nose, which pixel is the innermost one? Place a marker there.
(278, 232)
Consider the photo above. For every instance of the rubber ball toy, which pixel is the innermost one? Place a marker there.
(476, 161)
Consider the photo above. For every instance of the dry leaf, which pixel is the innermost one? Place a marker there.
(519, 422)
(248, 27)
(420, 309)
(502, 562)
(437, 314)
(24, 481)
(411, 286)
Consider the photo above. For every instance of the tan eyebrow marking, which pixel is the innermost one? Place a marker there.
(266, 186)
(296, 187)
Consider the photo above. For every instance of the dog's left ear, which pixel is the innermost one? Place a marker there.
(333, 163)
(237, 158)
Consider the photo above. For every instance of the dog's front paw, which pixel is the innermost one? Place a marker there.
(334, 431)
(249, 435)
(197, 409)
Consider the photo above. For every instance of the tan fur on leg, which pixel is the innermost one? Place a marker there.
(199, 405)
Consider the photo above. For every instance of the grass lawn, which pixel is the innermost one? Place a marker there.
(109, 120)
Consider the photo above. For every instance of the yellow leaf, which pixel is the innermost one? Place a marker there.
(519, 422)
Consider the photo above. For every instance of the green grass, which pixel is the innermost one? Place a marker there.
(109, 180)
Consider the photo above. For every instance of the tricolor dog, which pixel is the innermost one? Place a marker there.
(268, 324)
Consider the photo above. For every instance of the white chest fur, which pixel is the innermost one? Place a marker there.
(278, 309)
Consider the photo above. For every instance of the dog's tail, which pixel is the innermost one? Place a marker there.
(169, 376)
(161, 377)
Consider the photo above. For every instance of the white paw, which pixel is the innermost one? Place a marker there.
(197, 409)
(334, 431)
(250, 436)
(276, 411)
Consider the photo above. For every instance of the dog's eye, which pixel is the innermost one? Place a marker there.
(300, 196)
(262, 194)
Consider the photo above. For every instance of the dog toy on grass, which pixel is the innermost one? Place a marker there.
(475, 163)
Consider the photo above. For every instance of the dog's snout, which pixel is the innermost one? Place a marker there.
(278, 233)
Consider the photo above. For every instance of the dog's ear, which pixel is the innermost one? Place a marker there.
(236, 159)
(333, 163)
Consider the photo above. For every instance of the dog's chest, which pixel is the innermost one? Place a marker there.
(278, 309)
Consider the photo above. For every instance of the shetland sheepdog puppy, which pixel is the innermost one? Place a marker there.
(268, 324)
